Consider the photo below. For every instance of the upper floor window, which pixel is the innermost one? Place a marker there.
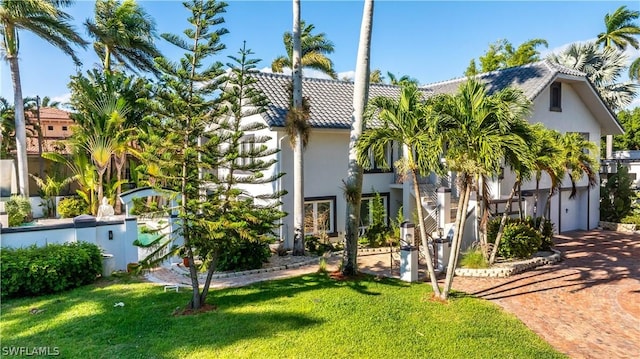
(376, 167)
(556, 97)
(50, 128)
(64, 128)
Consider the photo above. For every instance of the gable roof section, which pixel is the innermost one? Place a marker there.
(332, 101)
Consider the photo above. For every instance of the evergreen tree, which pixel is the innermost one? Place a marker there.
(184, 106)
(616, 196)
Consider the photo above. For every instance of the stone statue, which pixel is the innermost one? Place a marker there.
(105, 209)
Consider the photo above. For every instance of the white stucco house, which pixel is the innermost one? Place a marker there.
(563, 99)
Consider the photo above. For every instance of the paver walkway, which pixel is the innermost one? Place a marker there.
(587, 306)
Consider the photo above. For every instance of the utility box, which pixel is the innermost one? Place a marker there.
(108, 265)
(408, 253)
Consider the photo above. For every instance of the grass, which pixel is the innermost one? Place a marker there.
(311, 316)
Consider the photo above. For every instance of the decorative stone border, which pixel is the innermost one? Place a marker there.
(182, 271)
(507, 269)
(618, 227)
(373, 250)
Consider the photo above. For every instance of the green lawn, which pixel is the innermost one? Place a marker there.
(304, 317)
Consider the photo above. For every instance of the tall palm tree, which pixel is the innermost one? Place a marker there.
(124, 31)
(603, 68)
(297, 119)
(354, 174)
(314, 49)
(46, 20)
(621, 31)
(7, 128)
(482, 130)
(406, 121)
(547, 151)
(402, 80)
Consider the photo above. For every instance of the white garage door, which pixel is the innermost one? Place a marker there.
(573, 212)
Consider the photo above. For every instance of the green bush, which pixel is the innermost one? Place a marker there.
(545, 237)
(631, 219)
(473, 258)
(377, 231)
(72, 207)
(244, 256)
(520, 240)
(315, 246)
(19, 210)
(616, 196)
(54, 268)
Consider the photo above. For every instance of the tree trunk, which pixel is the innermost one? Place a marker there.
(461, 217)
(520, 209)
(546, 210)
(120, 159)
(536, 197)
(503, 222)
(354, 174)
(423, 235)
(21, 131)
(298, 160)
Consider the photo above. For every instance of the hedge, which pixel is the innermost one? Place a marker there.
(40, 270)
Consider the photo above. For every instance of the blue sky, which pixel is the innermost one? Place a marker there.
(429, 40)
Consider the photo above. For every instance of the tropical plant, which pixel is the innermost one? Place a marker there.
(19, 210)
(603, 68)
(481, 131)
(547, 151)
(521, 240)
(50, 187)
(616, 195)
(314, 49)
(7, 128)
(402, 80)
(124, 31)
(46, 20)
(70, 207)
(621, 31)
(353, 181)
(630, 121)
(406, 121)
(297, 125)
(502, 54)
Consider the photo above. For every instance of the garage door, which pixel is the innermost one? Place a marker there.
(573, 212)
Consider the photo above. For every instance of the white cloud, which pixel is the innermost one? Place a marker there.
(347, 74)
(63, 99)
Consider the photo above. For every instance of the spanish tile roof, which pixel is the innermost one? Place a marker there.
(50, 113)
(332, 101)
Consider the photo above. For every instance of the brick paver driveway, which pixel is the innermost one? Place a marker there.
(587, 306)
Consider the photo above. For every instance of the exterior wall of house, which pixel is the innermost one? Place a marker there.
(325, 166)
(581, 212)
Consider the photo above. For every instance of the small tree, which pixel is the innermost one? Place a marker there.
(616, 196)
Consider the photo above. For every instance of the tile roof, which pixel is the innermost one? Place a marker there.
(50, 113)
(531, 79)
(332, 100)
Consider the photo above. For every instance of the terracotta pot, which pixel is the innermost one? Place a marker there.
(185, 261)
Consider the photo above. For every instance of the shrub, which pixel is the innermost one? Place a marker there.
(315, 246)
(545, 237)
(377, 231)
(244, 256)
(473, 258)
(520, 240)
(19, 210)
(72, 207)
(631, 219)
(54, 268)
(616, 196)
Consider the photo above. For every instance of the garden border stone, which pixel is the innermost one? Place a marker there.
(506, 269)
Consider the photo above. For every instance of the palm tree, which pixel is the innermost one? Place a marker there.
(620, 29)
(410, 123)
(297, 120)
(603, 68)
(124, 31)
(45, 19)
(402, 80)
(376, 77)
(547, 151)
(482, 130)
(576, 160)
(353, 183)
(7, 128)
(313, 48)
(620, 33)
